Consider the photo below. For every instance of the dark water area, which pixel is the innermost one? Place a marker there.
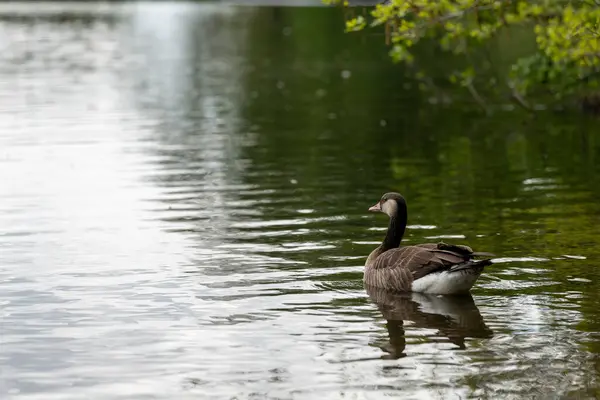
(183, 214)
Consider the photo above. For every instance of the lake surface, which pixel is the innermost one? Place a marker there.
(183, 215)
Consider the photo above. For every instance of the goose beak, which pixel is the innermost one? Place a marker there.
(376, 207)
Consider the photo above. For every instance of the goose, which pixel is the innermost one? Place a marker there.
(435, 268)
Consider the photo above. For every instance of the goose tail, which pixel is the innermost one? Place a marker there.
(472, 265)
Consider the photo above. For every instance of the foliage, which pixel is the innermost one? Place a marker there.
(564, 60)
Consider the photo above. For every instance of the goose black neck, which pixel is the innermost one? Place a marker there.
(396, 227)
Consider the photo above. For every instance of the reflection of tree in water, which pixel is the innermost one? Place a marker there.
(463, 171)
(313, 122)
(455, 317)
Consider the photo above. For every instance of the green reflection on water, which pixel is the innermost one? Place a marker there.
(333, 115)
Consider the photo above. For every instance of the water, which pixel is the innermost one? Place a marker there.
(183, 215)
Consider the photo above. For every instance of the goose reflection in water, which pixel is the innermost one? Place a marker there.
(455, 317)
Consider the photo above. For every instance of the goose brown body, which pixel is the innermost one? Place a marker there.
(438, 268)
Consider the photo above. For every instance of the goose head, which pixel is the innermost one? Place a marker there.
(389, 204)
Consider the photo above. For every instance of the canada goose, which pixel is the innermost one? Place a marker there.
(436, 268)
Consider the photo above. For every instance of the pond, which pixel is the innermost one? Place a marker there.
(184, 204)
